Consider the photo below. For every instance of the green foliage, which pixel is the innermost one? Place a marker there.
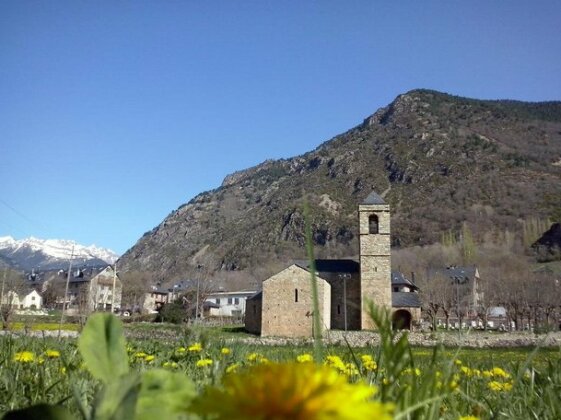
(164, 395)
(102, 345)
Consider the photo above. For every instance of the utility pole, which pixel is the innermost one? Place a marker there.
(66, 290)
(113, 291)
(199, 267)
(345, 276)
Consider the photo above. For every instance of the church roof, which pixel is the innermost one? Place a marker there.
(332, 266)
(373, 198)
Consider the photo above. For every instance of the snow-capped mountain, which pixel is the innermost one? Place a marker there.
(46, 254)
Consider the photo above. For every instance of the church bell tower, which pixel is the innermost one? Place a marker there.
(375, 257)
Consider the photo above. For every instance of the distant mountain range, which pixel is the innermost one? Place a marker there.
(437, 159)
(50, 254)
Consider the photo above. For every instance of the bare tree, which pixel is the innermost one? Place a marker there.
(11, 291)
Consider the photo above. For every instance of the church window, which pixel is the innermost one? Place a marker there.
(373, 224)
(295, 295)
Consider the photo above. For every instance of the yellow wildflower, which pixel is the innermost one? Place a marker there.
(24, 357)
(291, 391)
(468, 418)
(63, 370)
(233, 368)
(368, 362)
(140, 355)
(336, 362)
(499, 386)
(351, 369)
(458, 362)
(149, 358)
(170, 365)
(181, 350)
(204, 362)
(256, 357)
(304, 358)
(225, 351)
(197, 347)
(52, 354)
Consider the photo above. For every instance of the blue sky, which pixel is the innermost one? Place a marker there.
(112, 114)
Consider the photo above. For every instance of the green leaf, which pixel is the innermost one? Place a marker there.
(39, 412)
(102, 346)
(117, 400)
(164, 395)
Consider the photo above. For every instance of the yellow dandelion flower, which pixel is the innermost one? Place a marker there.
(140, 355)
(40, 360)
(499, 373)
(233, 368)
(197, 347)
(458, 362)
(63, 370)
(204, 362)
(254, 357)
(291, 391)
(336, 362)
(24, 357)
(351, 369)
(368, 362)
(52, 354)
(469, 418)
(453, 385)
(225, 351)
(149, 358)
(172, 365)
(181, 350)
(304, 358)
(499, 386)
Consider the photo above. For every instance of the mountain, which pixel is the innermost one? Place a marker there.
(437, 159)
(50, 254)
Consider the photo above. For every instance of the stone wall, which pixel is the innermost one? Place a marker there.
(288, 305)
(338, 304)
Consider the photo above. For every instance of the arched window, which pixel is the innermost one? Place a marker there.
(373, 224)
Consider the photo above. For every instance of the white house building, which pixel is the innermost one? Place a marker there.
(228, 303)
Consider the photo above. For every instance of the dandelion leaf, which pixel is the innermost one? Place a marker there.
(117, 400)
(165, 395)
(102, 346)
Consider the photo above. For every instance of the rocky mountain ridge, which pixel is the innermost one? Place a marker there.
(437, 159)
(49, 254)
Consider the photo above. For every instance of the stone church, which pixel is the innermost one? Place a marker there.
(284, 306)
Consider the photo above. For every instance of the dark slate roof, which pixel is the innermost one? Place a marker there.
(398, 279)
(373, 198)
(331, 266)
(405, 299)
(463, 274)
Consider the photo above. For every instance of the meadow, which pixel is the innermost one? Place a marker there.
(171, 372)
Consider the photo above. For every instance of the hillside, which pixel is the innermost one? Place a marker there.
(437, 159)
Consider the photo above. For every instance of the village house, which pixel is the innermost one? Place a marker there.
(228, 304)
(345, 287)
(25, 300)
(91, 290)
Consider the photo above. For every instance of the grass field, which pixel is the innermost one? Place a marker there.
(398, 380)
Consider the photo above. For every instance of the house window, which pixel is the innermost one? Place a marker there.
(218, 301)
(295, 295)
(373, 224)
(229, 301)
(32, 297)
(396, 289)
(236, 301)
